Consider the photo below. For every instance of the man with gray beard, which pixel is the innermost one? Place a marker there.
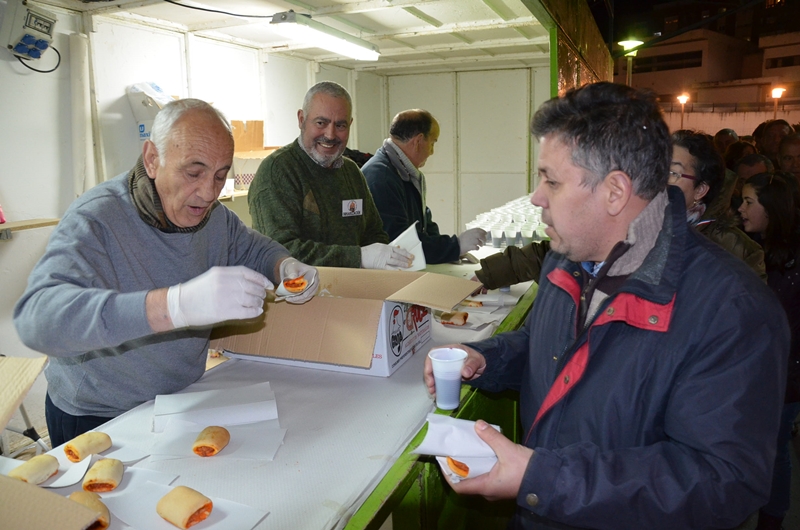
(314, 201)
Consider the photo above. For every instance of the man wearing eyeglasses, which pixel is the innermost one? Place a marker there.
(644, 403)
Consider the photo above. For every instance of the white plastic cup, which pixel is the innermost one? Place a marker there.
(511, 235)
(447, 364)
(497, 237)
(527, 236)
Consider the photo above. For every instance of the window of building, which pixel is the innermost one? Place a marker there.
(673, 61)
(671, 24)
(783, 62)
(774, 3)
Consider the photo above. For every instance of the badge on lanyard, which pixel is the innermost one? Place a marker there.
(352, 207)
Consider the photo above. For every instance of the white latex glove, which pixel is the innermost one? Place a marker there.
(217, 295)
(381, 256)
(291, 268)
(471, 239)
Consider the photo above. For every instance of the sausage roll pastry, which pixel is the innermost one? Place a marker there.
(456, 318)
(88, 443)
(93, 502)
(211, 440)
(36, 470)
(104, 475)
(184, 507)
(459, 468)
(295, 285)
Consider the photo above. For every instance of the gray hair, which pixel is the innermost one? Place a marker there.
(611, 127)
(329, 88)
(168, 116)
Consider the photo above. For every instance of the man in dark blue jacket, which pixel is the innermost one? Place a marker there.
(398, 187)
(644, 404)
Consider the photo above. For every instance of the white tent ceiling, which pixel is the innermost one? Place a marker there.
(420, 35)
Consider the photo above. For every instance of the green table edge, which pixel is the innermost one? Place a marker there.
(395, 484)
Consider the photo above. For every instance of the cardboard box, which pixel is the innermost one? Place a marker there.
(247, 135)
(146, 100)
(24, 505)
(361, 321)
(248, 151)
(245, 165)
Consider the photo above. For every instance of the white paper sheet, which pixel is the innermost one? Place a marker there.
(496, 298)
(134, 481)
(253, 441)
(68, 472)
(457, 439)
(409, 241)
(140, 511)
(133, 478)
(233, 406)
(448, 436)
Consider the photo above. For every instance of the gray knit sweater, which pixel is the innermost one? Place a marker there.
(85, 301)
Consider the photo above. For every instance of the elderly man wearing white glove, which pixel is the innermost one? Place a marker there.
(398, 187)
(138, 271)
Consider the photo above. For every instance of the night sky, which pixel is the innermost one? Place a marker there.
(625, 12)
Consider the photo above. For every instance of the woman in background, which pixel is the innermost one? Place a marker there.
(698, 170)
(769, 209)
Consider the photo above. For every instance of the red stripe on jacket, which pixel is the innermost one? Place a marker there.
(626, 307)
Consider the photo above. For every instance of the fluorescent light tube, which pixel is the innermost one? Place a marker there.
(302, 28)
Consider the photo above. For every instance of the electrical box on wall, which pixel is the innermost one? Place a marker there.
(27, 31)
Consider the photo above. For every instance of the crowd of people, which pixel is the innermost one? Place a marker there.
(658, 370)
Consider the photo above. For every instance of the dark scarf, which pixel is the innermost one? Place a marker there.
(148, 203)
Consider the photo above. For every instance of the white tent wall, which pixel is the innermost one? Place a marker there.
(228, 76)
(36, 179)
(36, 148)
(483, 158)
(285, 81)
(373, 122)
(122, 55)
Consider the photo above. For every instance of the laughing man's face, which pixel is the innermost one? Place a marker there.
(326, 128)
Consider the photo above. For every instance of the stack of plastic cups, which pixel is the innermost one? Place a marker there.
(518, 222)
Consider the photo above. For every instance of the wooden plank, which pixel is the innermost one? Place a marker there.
(28, 224)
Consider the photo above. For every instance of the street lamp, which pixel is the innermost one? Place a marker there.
(628, 45)
(682, 99)
(776, 95)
